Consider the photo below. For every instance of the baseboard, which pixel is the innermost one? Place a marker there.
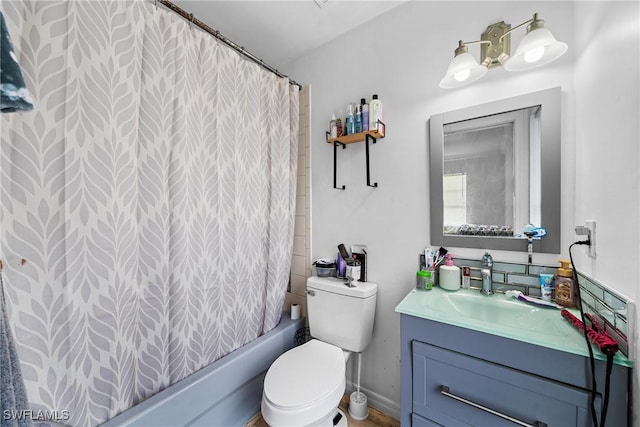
(377, 401)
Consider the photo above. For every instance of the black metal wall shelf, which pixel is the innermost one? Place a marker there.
(367, 136)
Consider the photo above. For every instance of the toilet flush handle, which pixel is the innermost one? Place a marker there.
(311, 292)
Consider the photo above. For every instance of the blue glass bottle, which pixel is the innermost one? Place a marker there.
(358, 125)
(349, 122)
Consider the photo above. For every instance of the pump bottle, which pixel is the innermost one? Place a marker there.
(375, 114)
(565, 287)
(449, 275)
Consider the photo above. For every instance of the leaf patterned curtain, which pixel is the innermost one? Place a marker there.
(146, 203)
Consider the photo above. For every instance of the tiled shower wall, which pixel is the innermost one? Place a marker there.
(613, 311)
(301, 260)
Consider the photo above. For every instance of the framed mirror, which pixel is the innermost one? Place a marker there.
(494, 168)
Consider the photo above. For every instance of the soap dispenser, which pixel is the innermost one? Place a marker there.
(449, 275)
(565, 287)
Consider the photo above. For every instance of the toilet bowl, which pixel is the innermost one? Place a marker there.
(303, 387)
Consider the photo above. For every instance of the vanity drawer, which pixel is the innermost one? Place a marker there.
(451, 389)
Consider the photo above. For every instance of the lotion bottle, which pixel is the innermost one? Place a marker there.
(449, 275)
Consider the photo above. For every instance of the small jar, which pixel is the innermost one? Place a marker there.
(423, 280)
(431, 277)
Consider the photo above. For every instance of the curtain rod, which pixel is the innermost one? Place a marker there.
(215, 33)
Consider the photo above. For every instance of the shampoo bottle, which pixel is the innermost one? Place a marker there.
(375, 114)
(364, 107)
(449, 275)
(358, 124)
(349, 123)
(565, 287)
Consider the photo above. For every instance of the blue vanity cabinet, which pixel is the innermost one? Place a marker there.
(450, 372)
(447, 383)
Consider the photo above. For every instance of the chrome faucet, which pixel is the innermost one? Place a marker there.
(487, 274)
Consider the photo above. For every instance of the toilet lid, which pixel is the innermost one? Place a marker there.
(305, 374)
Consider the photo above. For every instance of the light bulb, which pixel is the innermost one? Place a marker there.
(462, 75)
(534, 55)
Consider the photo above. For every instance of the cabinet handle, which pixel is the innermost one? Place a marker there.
(444, 390)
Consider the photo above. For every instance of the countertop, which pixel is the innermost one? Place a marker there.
(501, 316)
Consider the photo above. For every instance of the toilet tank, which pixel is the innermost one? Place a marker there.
(340, 315)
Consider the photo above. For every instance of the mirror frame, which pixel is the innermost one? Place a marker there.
(551, 138)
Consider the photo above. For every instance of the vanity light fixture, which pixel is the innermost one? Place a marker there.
(538, 47)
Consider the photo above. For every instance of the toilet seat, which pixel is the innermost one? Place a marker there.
(304, 385)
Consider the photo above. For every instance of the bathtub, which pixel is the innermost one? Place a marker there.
(226, 393)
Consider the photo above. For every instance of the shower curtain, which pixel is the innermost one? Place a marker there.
(146, 203)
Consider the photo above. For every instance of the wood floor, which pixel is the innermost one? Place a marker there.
(376, 418)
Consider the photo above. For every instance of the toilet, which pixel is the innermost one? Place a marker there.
(304, 386)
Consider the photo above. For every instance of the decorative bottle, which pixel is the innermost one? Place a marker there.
(339, 128)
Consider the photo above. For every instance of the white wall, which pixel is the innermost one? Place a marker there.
(402, 55)
(607, 99)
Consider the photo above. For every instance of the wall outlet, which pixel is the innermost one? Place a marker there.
(591, 225)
